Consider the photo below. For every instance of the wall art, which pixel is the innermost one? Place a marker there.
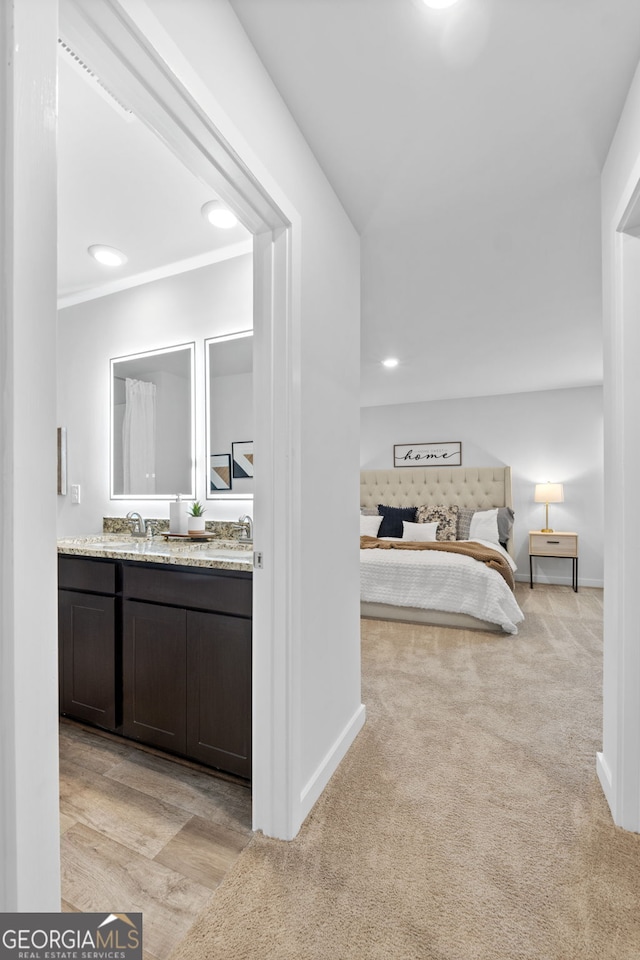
(447, 454)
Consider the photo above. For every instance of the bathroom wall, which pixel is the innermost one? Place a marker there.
(208, 302)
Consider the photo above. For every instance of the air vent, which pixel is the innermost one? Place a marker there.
(85, 71)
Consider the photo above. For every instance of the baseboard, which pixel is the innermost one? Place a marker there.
(316, 784)
(559, 581)
(606, 781)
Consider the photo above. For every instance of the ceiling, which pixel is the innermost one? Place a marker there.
(466, 147)
(119, 185)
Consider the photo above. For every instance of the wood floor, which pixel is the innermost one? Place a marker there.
(142, 834)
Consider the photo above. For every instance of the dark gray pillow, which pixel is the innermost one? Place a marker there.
(392, 518)
(506, 516)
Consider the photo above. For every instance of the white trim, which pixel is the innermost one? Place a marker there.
(606, 781)
(29, 795)
(558, 581)
(276, 631)
(330, 763)
(618, 764)
(158, 273)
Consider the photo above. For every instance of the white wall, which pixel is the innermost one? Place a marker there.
(211, 301)
(29, 821)
(552, 435)
(619, 762)
(327, 708)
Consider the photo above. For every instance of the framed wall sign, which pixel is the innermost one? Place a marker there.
(427, 454)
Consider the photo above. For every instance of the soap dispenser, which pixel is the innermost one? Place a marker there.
(178, 516)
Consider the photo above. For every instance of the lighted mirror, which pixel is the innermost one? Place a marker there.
(152, 424)
(229, 406)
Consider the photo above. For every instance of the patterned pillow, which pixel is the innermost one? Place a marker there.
(447, 518)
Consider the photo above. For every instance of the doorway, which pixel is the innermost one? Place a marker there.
(125, 55)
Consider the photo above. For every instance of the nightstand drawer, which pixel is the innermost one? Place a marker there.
(553, 544)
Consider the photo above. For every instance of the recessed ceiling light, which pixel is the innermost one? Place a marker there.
(439, 4)
(108, 256)
(219, 216)
(390, 362)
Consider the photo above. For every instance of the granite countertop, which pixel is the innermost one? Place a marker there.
(220, 554)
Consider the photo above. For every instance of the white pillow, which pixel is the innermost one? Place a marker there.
(369, 526)
(484, 526)
(420, 532)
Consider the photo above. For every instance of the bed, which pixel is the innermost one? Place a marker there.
(433, 586)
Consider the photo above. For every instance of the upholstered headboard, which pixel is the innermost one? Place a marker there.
(479, 488)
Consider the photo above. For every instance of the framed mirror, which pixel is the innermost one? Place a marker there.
(153, 424)
(229, 408)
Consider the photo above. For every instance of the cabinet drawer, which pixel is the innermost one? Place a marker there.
(218, 593)
(78, 573)
(553, 545)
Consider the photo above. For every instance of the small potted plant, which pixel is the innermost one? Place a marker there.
(196, 518)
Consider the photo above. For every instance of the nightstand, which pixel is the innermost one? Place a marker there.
(554, 545)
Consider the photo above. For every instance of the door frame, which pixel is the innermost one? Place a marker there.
(618, 763)
(127, 47)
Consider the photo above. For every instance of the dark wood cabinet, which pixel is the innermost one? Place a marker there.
(154, 671)
(89, 641)
(160, 654)
(219, 691)
(88, 657)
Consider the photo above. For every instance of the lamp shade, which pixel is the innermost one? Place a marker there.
(549, 493)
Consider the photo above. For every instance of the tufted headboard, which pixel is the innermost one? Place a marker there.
(480, 488)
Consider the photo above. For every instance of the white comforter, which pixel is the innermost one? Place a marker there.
(436, 580)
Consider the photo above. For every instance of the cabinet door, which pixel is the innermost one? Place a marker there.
(88, 657)
(219, 691)
(154, 675)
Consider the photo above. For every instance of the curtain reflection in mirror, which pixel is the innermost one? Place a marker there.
(139, 437)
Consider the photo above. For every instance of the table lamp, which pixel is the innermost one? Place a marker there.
(548, 493)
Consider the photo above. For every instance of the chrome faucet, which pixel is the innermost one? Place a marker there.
(138, 526)
(247, 528)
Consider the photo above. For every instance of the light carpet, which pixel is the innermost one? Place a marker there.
(466, 822)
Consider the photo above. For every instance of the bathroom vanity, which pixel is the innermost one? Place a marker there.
(155, 645)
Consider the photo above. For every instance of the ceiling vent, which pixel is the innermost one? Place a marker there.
(94, 80)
